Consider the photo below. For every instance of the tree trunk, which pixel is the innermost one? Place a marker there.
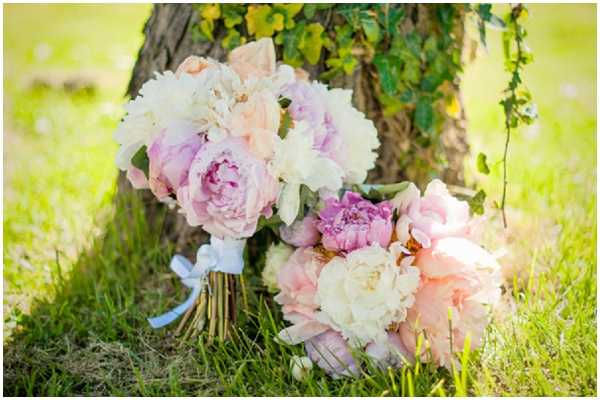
(168, 41)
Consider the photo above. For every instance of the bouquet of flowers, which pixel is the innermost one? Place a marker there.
(237, 146)
(397, 278)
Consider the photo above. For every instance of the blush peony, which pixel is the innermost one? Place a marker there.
(435, 215)
(297, 281)
(228, 190)
(170, 156)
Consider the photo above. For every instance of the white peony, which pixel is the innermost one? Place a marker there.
(203, 100)
(362, 294)
(296, 162)
(277, 255)
(359, 136)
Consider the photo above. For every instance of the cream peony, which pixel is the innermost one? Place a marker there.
(362, 294)
(296, 162)
(358, 135)
(277, 256)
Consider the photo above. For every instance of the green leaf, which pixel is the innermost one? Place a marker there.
(348, 64)
(284, 102)
(310, 10)
(484, 11)
(261, 21)
(313, 42)
(210, 11)
(371, 28)
(206, 28)
(286, 123)
(231, 40)
(482, 165)
(271, 223)
(380, 192)
(476, 202)
(233, 14)
(391, 104)
(140, 160)
(292, 42)
(412, 71)
(424, 114)
(387, 67)
(288, 11)
(390, 15)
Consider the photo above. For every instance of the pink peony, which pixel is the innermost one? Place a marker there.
(436, 215)
(257, 121)
(137, 178)
(254, 59)
(302, 233)
(460, 276)
(330, 351)
(170, 156)
(297, 281)
(228, 190)
(353, 223)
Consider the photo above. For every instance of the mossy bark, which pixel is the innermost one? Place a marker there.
(168, 41)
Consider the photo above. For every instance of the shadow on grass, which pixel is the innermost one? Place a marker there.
(92, 337)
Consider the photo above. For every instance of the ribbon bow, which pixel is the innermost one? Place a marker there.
(219, 256)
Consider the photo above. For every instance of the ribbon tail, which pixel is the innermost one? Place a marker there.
(172, 315)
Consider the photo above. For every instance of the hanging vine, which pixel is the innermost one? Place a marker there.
(412, 68)
(516, 104)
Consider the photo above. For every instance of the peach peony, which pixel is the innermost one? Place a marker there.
(257, 121)
(457, 275)
(193, 65)
(254, 59)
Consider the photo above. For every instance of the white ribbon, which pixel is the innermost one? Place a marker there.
(218, 256)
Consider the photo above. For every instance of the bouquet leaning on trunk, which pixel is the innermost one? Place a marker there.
(383, 269)
(396, 278)
(237, 146)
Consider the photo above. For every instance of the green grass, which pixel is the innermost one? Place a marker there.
(76, 323)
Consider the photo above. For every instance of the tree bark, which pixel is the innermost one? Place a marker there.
(168, 41)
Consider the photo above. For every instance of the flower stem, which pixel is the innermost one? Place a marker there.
(221, 305)
(227, 298)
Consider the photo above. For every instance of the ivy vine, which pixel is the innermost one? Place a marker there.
(413, 69)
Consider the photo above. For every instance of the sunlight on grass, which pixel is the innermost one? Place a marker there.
(64, 83)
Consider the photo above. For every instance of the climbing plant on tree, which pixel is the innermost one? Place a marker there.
(412, 69)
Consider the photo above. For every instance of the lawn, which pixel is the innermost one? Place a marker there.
(82, 272)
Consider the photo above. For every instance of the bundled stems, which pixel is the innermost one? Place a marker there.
(214, 309)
